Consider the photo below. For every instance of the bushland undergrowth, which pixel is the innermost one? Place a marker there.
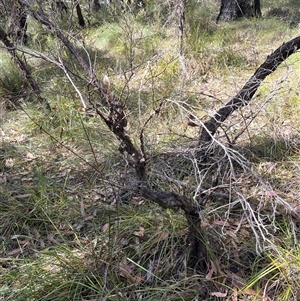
(73, 226)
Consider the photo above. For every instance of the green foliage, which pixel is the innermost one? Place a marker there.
(285, 11)
(284, 265)
(12, 84)
(126, 43)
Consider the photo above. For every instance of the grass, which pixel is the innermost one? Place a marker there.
(70, 226)
(13, 87)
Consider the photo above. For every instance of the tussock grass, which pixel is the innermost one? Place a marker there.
(71, 227)
(13, 86)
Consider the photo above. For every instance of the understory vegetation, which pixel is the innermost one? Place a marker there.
(73, 225)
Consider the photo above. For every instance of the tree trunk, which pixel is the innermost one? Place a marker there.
(227, 11)
(80, 16)
(232, 9)
(96, 5)
(257, 11)
(22, 27)
(17, 30)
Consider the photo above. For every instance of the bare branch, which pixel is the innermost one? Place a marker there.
(247, 92)
(62, 66)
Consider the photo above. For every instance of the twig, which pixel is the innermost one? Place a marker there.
(63, 68)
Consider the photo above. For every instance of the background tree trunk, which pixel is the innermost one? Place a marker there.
(227, 11)
(80, 16)
(96, 5)
(232, 9)
(257, 11)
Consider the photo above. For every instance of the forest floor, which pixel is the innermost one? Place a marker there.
(70, 227)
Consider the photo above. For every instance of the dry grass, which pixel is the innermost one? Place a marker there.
(71, 227)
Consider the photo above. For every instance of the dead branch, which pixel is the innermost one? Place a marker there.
(167, 200)
(116, 121)
(247, 92)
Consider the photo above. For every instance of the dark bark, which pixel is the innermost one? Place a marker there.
(17, 30)
(135, 4)
(96, 5)
(60, 6)
(232, 9)
(246, 93)
(244, 8)
(227, 11)
(22, 27)
(80, 16)
(181, 19)
(196, 239)
(257, 10)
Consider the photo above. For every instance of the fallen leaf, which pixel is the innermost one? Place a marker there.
(219, 294)
(12, 132)
(181, 233)
(89, 218)
(126, 271)
(42, 244)
(82, 209)
(163, 236)
(30, 156)
(51, 238)
(140, 233)
(231, 234)
(126, 268)
(211, 270)
(113, 202)
(15, 252)
(237, 281)
(105, 227)
(234, 295)
(20, 138)
(9, 163)
(22, 196)
(251, 292)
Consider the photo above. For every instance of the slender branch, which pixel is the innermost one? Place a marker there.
(142, 142)
(63, 67)
(10, 47)
(181, 23)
